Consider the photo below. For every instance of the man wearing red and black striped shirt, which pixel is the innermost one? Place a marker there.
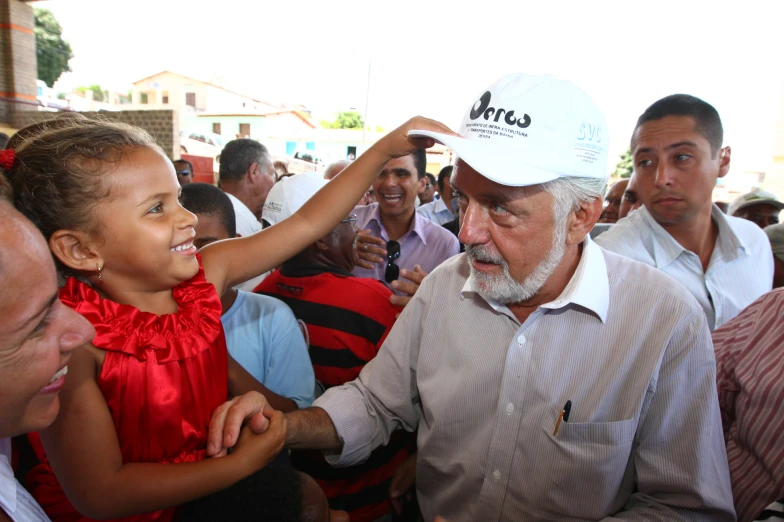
(347, 320)
(750, 375)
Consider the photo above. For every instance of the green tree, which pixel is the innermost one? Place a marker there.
(625, 167)
(345, 120)
(53, 52)
(98, 93)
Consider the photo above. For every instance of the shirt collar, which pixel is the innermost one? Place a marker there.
(8, 485)
(666, 249)
(417, 225)
(440, 206)
(588, 288)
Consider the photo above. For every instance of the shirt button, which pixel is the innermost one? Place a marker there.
(509, 408)
(521, 340)
(497, 475)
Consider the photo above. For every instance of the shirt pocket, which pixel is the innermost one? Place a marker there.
(586, 467)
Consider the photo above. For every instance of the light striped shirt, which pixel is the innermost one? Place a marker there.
(627, 345)
(739, 271)
(14, 499)
(750, 377)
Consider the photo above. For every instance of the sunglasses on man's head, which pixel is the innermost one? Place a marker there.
(393, 252)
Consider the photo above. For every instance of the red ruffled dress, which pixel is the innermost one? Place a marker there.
(162, 378)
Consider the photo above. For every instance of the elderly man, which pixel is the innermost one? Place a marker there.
(246, 175)
(37, 336)
(725, 262)
(335, 168)
(533, 397)
(347, 319)
(758, 206)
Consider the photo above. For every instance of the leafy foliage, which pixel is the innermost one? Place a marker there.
(52, 51)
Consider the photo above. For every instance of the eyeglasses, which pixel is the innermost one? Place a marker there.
(351, 219)
(183, 172)
(393, 252)
(428, 186)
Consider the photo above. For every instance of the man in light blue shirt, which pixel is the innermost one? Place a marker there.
(725, 262)
(440, 211)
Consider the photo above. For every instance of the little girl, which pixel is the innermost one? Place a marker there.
(130, 440)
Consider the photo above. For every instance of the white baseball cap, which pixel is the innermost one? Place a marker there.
(755, 197)
(526, 130)
(289, 194)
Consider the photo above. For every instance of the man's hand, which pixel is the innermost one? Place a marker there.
(409, 287)
(397, 144)
(227, 420)
(402, 484)
(258, 450)
(371, 250)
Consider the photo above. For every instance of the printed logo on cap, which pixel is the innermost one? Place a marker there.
(512, 123)
(588, 145)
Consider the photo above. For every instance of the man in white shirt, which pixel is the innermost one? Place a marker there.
(725, 262)
(246, 175)
(563, 382)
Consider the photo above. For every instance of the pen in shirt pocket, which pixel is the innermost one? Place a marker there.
(563, 416)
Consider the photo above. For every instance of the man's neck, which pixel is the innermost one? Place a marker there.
(307, 261)
(239, 191)
(397, 226)
(554, 286)
(698, 235)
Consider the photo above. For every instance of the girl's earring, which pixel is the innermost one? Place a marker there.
(100, 272)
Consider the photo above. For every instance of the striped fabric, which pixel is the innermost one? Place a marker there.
(740, 269)
(750, 378)
(15, 501)
(626, 344)
(347, 319)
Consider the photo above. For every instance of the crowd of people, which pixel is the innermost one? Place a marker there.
(508, 339)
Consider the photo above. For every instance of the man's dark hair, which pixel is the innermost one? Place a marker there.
(420, 162)
(238, 155)
(431, 178)
(446, 172)
(3, 139)
(706, 119)
(203, 198)
(190, 165)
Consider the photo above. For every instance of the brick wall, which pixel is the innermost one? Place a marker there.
(163, 125)
(18, 67)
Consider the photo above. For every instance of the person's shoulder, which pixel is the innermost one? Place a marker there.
(264, 306)
(427, 208)
(364, 285)
(632, 279)
(748, 232)
(627, 236)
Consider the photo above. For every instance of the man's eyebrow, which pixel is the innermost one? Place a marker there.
(503, 197)
(686, 143)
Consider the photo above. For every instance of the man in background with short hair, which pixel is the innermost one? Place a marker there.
(614, 197)
(725, 262)
(184, 170)
(441, 211)
(246, 176)
(427, 194)
(409, 238)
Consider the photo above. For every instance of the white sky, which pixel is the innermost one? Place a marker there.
(432, 57)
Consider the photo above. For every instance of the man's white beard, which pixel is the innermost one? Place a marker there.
(503, 288)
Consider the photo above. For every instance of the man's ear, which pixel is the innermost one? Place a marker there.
(422, 183)
(724, 161)
(322, 244)
(75, 250)
(582, 220)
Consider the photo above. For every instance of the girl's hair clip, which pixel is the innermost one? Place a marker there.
(7, 157)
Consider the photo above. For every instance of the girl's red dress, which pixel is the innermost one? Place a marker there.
(162, 378)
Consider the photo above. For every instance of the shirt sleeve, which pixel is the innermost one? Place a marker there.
(679, 456)
(290, 371)
(384, 397)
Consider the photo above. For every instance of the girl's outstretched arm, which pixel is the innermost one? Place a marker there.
(230, 262)
(84, 452)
